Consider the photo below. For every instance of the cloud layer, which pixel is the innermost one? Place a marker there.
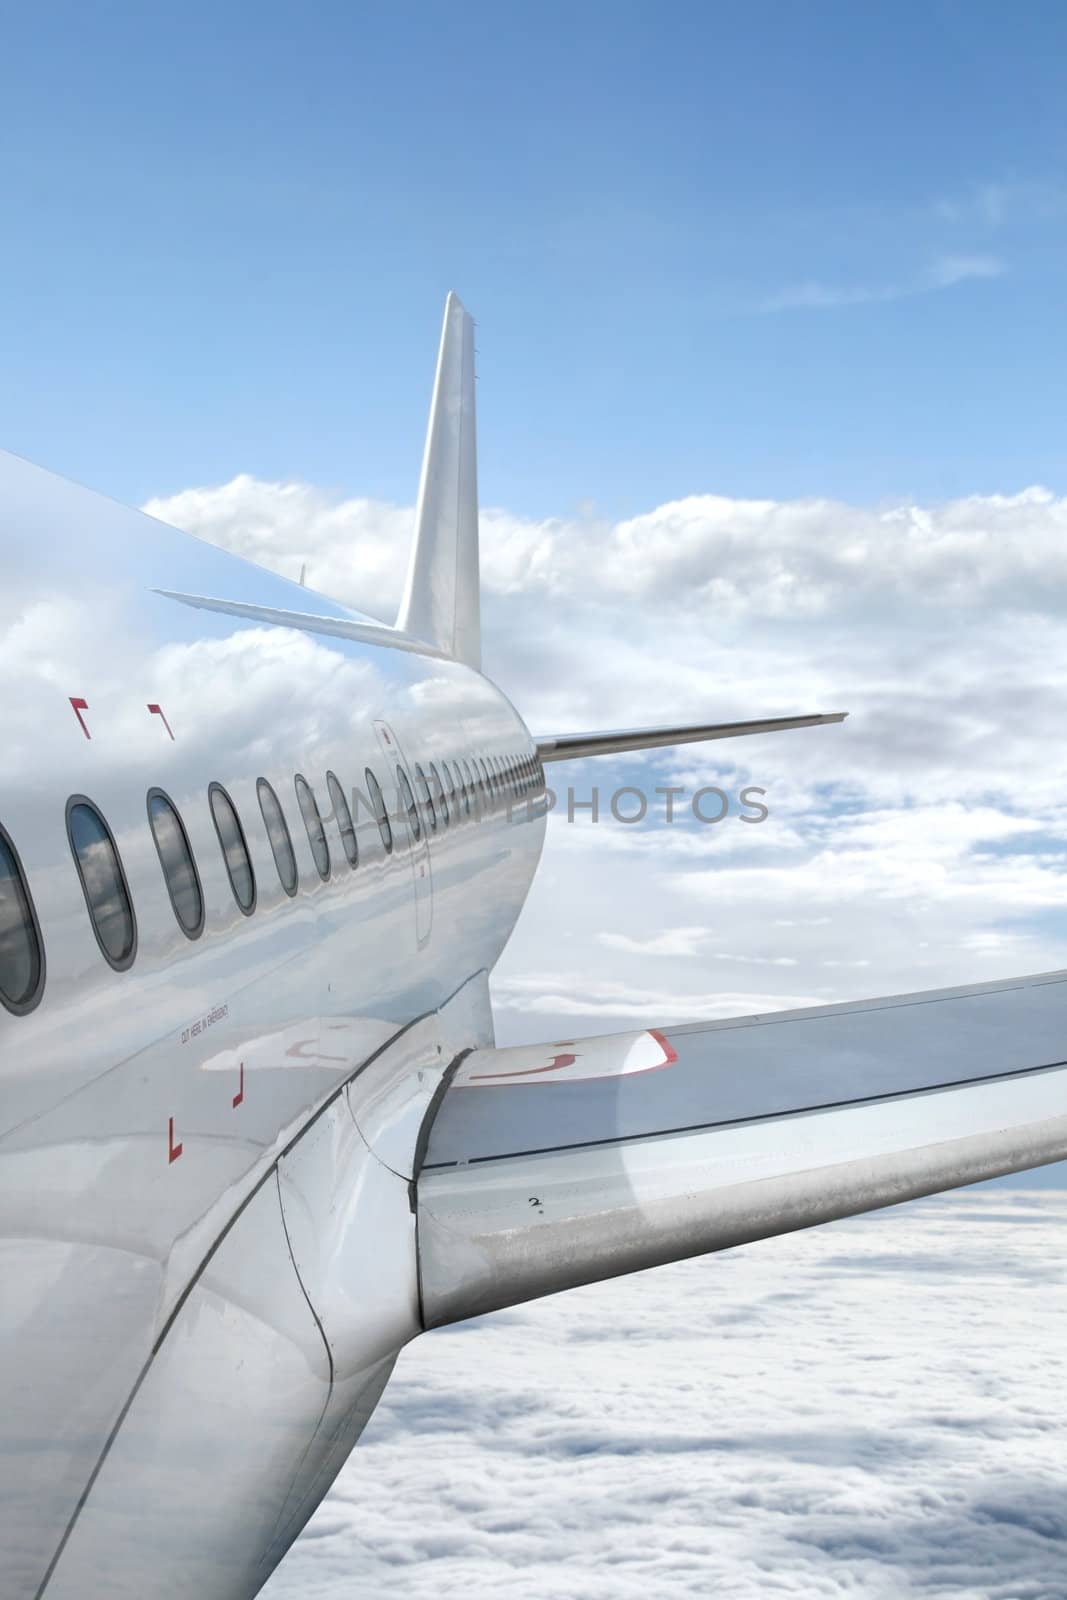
(874, 1408)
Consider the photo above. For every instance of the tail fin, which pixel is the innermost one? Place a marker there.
(441, 599)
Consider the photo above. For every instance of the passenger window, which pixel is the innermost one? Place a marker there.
(344, 819)
(234, 849)
(461, 789)
(470, 786)
(446, 801)
(381, 810)
(176, 859)
(21, 953)
(103, 883)
(316, 833)
(425, 796)
(487, 782)
(278, 833)
(408, 800)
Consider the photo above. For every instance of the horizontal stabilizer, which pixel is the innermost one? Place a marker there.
(569, 746)
(355, 628)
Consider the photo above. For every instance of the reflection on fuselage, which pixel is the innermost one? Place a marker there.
(103, 880)
(182, 985)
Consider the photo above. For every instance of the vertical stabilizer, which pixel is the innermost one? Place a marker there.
(441, 602)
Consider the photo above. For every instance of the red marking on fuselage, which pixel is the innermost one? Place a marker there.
(78, 705)
(173, 1150)
(157, 711)
(239, 1096)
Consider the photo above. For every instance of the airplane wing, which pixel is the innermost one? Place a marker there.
(544, 1167)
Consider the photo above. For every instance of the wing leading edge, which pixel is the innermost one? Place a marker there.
(551, 1166)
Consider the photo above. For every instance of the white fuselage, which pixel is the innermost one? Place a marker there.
(207, 1246)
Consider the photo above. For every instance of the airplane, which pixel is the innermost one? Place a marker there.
(259, 854)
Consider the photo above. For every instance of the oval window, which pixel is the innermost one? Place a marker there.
(344, 819)
(461, 789)
(281, 842)
(21, 953)
(408, 800)
(176, 859)
(381, 810)
(425, 797)
(234, 849)
(471, 785)
(443, 800)
(313, 823)
(103, 882)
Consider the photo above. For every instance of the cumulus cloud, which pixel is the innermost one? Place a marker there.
(921, 843)
(870, 1408)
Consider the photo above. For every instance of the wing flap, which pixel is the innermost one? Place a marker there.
(922, 1093)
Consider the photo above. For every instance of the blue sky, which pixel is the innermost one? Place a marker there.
(763, 250)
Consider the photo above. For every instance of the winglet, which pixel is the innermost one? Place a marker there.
(441, 601)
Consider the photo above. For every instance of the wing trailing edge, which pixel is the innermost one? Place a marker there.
(570, 746)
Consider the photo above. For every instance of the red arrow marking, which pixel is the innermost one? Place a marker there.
(239, 1096)
(173, 1150)
(78, 705)
(563, 1060)
(157, 711)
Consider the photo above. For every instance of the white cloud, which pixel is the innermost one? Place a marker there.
(872, 1408)
(921, 843)
(671, 942)
(995, 204)
(943, 273)
(950, 270)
